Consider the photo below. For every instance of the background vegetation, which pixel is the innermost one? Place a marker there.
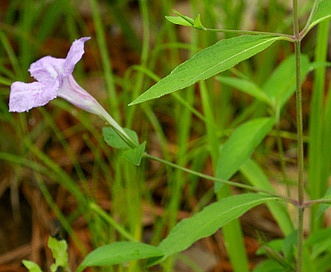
(54, 160)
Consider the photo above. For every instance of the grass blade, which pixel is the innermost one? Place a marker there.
(318, 151)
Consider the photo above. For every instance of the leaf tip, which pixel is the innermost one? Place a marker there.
(134, 102)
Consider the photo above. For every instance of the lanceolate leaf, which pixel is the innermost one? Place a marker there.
(321, 13)
(247, 87)
(208, 221)
(281, 84)
(278, 88)
(255, 175)
(240, 146)
(119, 253)
(214, 59)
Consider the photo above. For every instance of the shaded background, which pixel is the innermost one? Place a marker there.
(53, 160)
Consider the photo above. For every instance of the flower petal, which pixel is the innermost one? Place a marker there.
(47, 69)
(76, 95)
(74, 55)
(25, 96)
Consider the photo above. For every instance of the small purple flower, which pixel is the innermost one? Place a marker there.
(54, 79)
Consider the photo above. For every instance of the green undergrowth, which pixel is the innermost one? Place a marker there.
(118, 200)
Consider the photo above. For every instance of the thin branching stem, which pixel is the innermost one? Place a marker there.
(301, 207)
(250, 32)
(214, 179)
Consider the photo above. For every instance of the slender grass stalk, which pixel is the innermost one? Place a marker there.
(48, 168)
(300, 154)
(11, 54)
(26, 26)
(318, 171)
(100, 33)
(139, 81)
(61, 217)
(120, 14)
(94, 207)
(48, 118)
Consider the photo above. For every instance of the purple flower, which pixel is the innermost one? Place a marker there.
(54, 79)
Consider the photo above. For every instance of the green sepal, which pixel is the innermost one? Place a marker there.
(113, 139)
(197, 23)
(132, 154)
(185, 20)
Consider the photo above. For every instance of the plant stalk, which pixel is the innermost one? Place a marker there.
(214, 179)
(297, 44)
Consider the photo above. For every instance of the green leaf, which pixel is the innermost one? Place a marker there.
(119, 253)
(239, 147)
(271, 247)
(247, 87)
(113, 139)
(197, 23)
(208, 221)
(320, 242)
(281, 84)
(324, 206)
(214, 59)
(269, 266)
(179, 20)
(59, 251)
(134, 155)
(321, 13)
(289, 244)
(185, 20)
(255, 175)
(31, 266)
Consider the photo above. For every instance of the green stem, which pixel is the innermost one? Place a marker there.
(231, 183)
(250, 32)
(317, 201)
(119, 130)
(297, 44)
